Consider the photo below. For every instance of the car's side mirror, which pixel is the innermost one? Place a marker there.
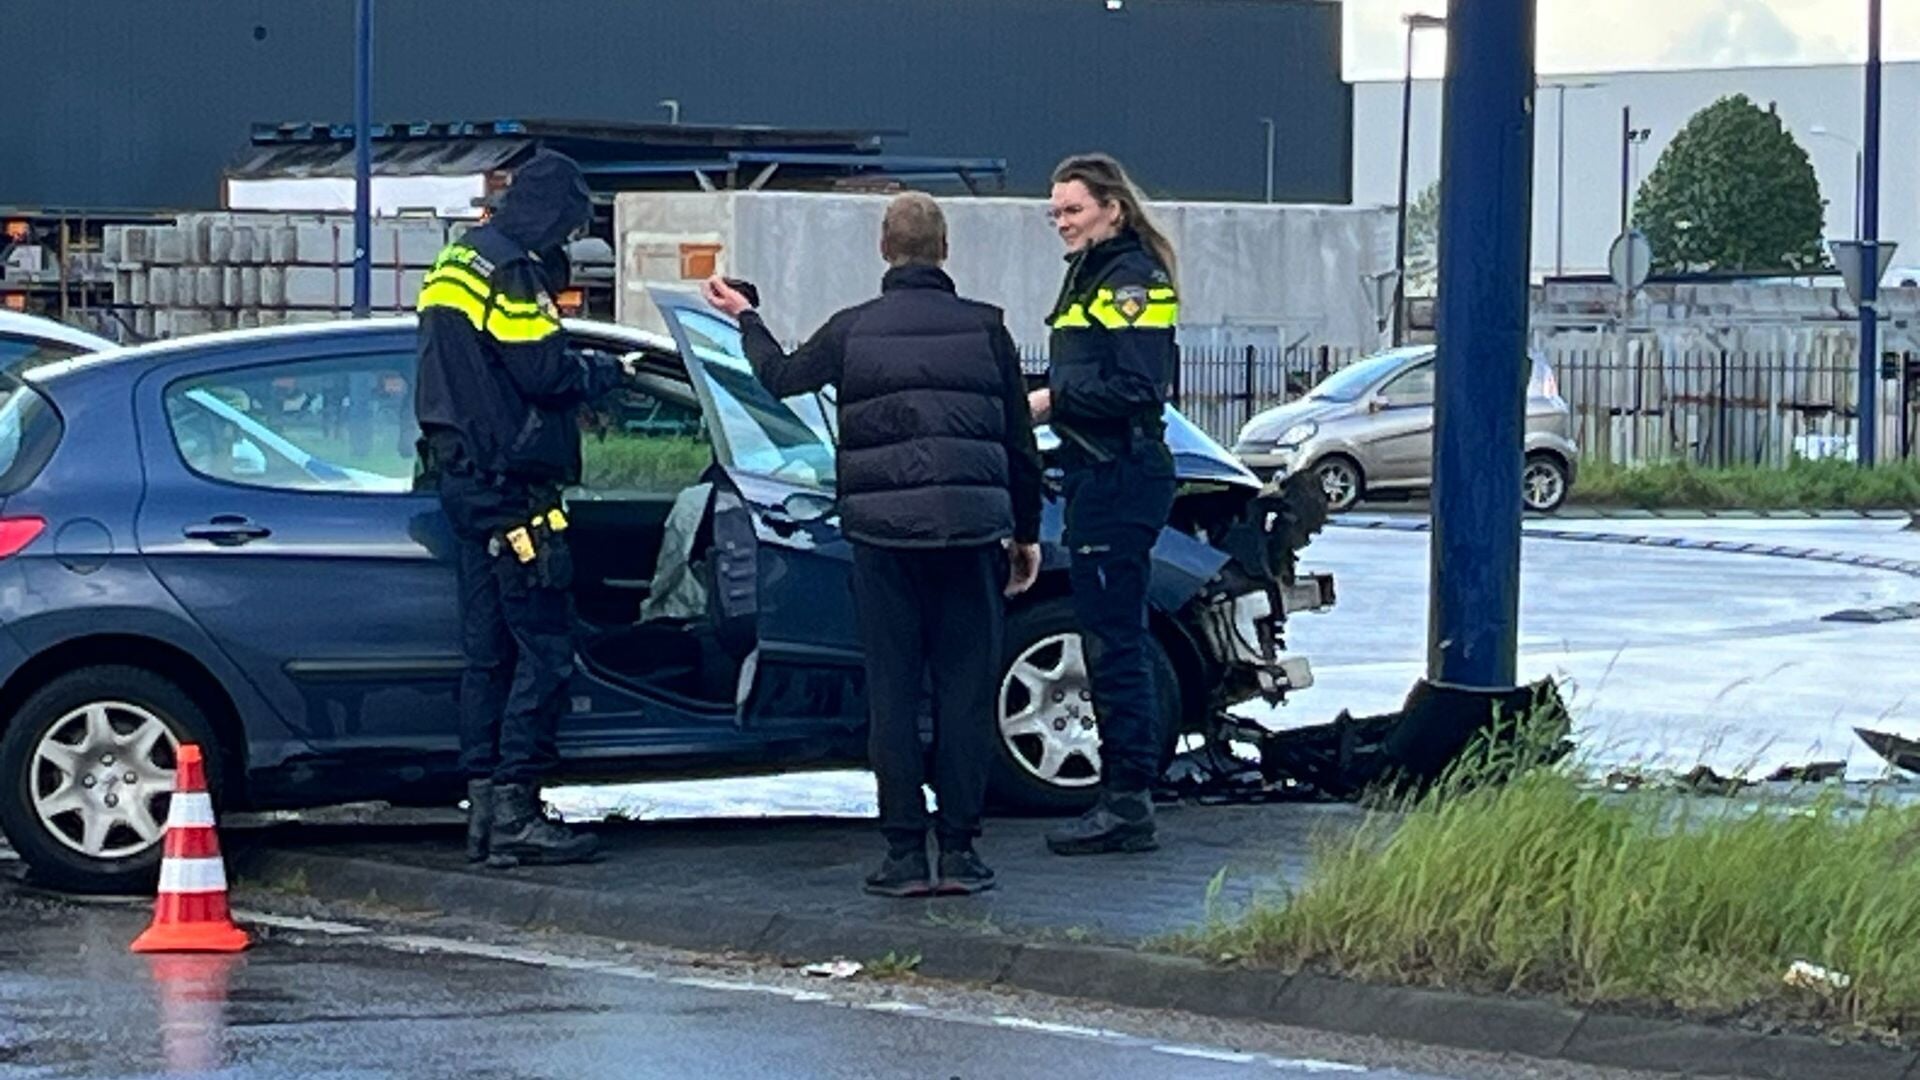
(1378, 403)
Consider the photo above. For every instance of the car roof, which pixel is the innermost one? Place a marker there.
(16, 324)
(341, 329)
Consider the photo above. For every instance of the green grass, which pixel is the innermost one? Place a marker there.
(663, 464)
(1546, 886)
(1803, 485)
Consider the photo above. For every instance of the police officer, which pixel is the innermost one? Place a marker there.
(496, 399)
(1112, 360)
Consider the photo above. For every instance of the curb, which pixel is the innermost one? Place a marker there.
(1630, 513)
(1533, 1027)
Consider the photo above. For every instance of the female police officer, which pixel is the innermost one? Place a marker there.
(1112, 358)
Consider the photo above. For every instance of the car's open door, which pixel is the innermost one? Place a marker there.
(782, 571)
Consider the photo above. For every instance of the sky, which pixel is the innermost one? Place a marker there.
(1637, 35)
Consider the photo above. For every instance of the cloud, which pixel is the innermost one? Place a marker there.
(1742, 33)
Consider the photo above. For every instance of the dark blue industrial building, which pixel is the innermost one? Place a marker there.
(133, 103)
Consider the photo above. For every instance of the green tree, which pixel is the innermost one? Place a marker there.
(1733, 192)
(1423, 241)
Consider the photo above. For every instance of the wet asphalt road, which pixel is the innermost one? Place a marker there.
(415, 1003)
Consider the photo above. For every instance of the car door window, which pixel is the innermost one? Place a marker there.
(18, 354)
(1411, 387)
(647, 438)
(341, 424)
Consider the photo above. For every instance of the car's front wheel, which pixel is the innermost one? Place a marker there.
(1048, 758)
(87, 772)
(1543, 483)
(1341, 481)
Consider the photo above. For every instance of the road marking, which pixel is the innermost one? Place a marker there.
(427, 943)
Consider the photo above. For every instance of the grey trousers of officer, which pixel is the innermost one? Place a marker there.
(931, 618)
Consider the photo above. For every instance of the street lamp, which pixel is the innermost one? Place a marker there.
(1414, 21)
(1630, 140)
(1268, 122)
(1560, 176)
(362, 158)
(1859, 173)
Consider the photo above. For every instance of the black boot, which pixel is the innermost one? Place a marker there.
(1120, 821)
(522, 833)
(479, 818)
(962, 872)
(903, 874)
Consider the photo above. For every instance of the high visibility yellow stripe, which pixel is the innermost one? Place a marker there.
(514, 327)
(1074, 318)
(481, 290)
(1158, 315)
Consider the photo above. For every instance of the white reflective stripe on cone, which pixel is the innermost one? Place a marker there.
(190, 808)
(193, 876)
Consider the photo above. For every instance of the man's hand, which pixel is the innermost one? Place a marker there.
(1040, 404)
(1023, 562)
(724, 298)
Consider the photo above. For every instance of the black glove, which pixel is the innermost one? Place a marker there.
(744, 288)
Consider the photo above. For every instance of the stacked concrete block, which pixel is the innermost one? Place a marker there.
(212, 271)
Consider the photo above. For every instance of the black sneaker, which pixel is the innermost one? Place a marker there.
(902, 875)
(1118, 822)
(962, 873)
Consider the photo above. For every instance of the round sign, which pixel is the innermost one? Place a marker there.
(1629, 260)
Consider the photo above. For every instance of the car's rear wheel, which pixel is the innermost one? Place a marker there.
(1048, 757)
(1543, 483)
(86, 775)
(1341, 480)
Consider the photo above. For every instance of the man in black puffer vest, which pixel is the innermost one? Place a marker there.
(939, 484)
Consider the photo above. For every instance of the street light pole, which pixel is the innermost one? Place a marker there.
(362, 158)
(1870, 249)
(1268, 121)
(1560, 177)
(1414, 21)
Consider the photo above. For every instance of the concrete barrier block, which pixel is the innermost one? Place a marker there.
(132, 288)
(249, 286)
(283, 244)
(317, 286)
(143, 322)
(189, 322)
(207, 286)
(230, 286)
(169, 245)
(273, 286)
(220, 243)
(409, 244)
(198, 229)
(241, 252)
(320, 243)
(160, 286)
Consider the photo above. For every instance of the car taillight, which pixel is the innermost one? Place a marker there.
(17, 532)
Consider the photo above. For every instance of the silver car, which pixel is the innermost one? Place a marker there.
(1367, 429)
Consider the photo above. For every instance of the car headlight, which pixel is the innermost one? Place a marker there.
(1298, 433)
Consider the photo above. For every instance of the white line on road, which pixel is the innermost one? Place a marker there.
(426, 943)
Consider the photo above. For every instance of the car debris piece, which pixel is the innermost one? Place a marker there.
(833, 969)
(1805, 976)
(1898, 751)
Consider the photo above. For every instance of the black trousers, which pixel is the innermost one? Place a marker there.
(931, 618)
(1115, 511)
(516, 635)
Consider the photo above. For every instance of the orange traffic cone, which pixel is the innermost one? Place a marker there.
(190, 914)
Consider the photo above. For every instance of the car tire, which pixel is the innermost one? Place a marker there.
(1037, 634)
(1341, 481)
(146, 717)
(1544, 483)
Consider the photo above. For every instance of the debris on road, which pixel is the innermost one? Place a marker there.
(833, 969)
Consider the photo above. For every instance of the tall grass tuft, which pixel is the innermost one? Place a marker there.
(1828, 484)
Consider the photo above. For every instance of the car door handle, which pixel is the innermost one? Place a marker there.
(227, 530)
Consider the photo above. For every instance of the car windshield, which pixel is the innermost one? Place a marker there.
(1351, 381)
(759, 433)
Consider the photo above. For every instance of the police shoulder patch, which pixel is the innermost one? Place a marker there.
(1130, 301)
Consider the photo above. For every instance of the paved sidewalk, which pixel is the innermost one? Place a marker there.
(814, 866)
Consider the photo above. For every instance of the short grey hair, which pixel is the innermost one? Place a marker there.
(914, 231)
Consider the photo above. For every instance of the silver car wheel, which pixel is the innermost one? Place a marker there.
(1046, 713)
(101, 777)
(1543, 485)
(1340, 482)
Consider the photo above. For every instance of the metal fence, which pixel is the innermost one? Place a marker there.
(1767, 401)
